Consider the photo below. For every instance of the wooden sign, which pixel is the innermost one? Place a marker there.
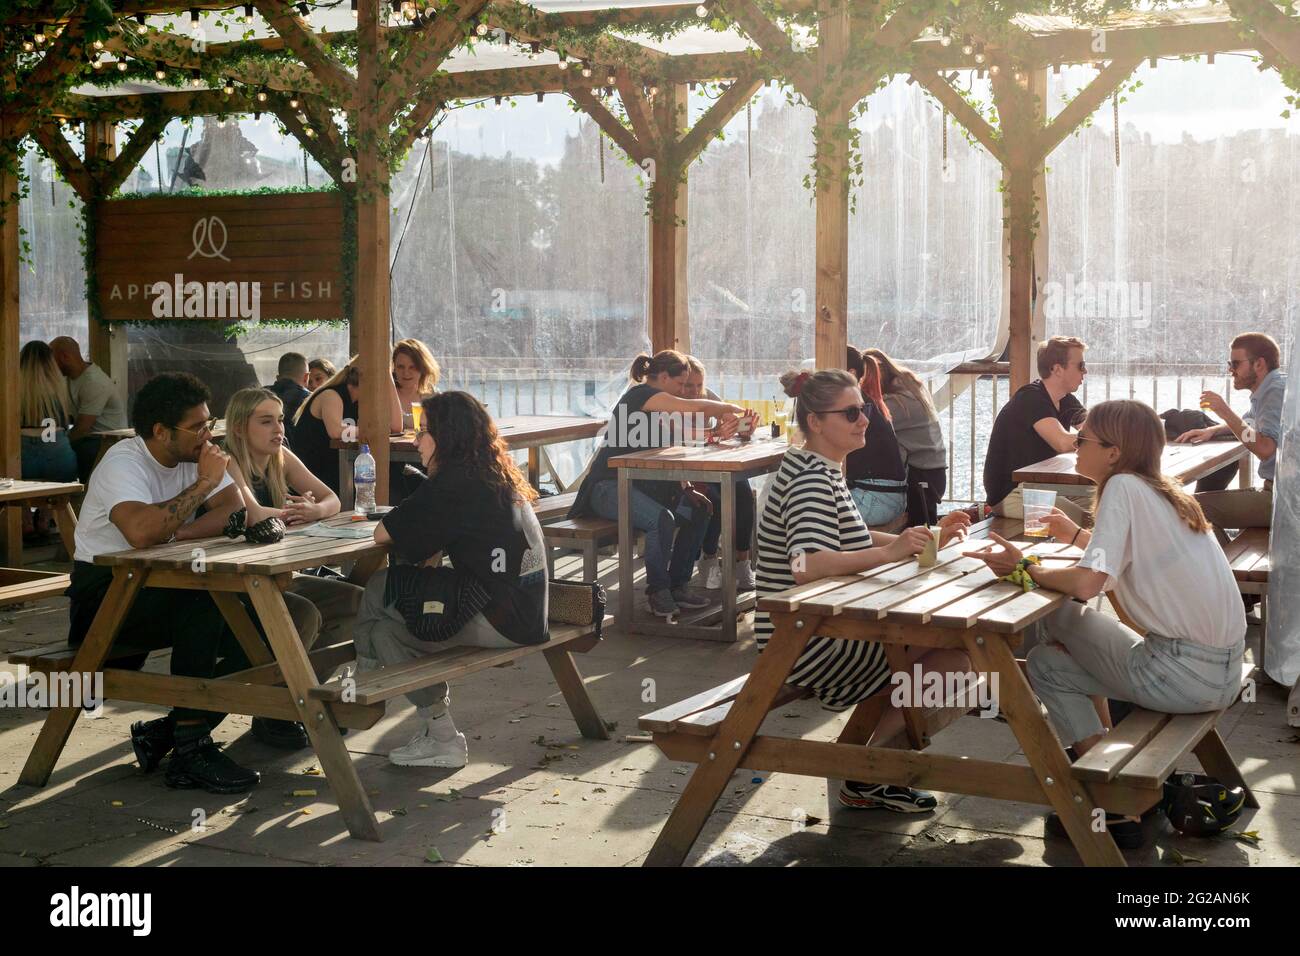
(224, 258)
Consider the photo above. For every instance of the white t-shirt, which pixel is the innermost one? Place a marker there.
(128, 472)
(1171, 580)
(93, 393)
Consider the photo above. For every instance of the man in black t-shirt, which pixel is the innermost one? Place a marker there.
(290, 384)
(1038, 423)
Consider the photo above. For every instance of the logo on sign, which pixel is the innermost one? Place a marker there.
(204, 235)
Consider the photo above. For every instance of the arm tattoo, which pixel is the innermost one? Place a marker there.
(178, 509)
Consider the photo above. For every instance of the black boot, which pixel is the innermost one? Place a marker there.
(198, 763)
(285, 734)
(153, 740)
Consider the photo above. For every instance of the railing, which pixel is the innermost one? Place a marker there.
(967, 421)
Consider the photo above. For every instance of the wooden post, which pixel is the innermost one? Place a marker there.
(107, 345)
(371, 317)
(1021, 115)
(669, 322)
(831, 136)
(10, 445)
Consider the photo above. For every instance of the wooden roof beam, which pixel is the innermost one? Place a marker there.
(424, 57)
(624, 138)
(110, 179)
(716, 117)
(39, 87)
(1084, 104)
(962, 112)
(413, 123)
(340, 84)
(1271, 25)
(49, 136)
(776, 45)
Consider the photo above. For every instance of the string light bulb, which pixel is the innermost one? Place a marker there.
(293, 101)
(248, 13)
(28, 45)
(121, 66)
(408, 9)
(194, 16)
(228, 88)
(196, 79)
(39, 38)
(967, 46)
(98, 44)
(945, 36)
(310, 133)
(994, 69)
(564, 62)
(586, 70)
(610, 79)
(261, 95)
(304, 11)
(141, 28)
(979, 53)
(702, 10)
(354, 9)
(158, 72)
(481, 29)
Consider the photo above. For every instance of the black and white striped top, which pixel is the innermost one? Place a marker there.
(808, 509)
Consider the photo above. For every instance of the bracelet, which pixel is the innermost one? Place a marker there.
(1077, 532)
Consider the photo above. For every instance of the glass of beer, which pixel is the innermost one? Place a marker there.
(1038, 505)
(417, 413)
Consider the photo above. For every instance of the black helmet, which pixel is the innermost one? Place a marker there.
(1198, 805)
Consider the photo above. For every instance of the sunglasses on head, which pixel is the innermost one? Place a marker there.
(850, 414)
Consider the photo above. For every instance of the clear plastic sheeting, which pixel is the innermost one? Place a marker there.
(52, 280)
(1159, 261)
(1282, 648)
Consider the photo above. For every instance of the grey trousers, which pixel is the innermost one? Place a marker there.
(381, 634)
(1079, 653)
(322, 607)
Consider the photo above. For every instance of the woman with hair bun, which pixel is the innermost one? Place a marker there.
(875, 472)
(673, 515)
(810, 529)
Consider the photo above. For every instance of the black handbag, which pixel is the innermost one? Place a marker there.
(435, 603)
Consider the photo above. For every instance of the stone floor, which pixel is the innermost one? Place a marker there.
(536, 793)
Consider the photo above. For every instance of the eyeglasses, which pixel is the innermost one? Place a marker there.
(1233, 363)
(1080, 439)
(206, 428)
(1083, 367)
(850, 414)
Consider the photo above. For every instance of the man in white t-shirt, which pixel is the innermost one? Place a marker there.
(97, 405)
(145, 492)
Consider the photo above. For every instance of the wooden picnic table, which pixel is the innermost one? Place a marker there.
(959, 604)
(56, 495)
(279, 682)
(722, 464)
(521, 432)
(1183, 463)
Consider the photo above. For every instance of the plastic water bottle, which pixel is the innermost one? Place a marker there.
(363, 480)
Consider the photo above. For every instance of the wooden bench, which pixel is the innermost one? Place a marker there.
(1248, 555)
(1146, 747)
(18, 586)
(553, 508)
(702, 714)
(587, 534)
(451, 663)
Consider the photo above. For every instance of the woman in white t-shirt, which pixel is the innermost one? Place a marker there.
(1154, 549)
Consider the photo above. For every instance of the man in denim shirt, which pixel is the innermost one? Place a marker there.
(1254, 365)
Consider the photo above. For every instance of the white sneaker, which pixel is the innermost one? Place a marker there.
(427, 750)
(713, 579)
(745, 577)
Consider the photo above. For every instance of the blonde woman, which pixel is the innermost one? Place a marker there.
(1152, 546)
(415, 374)
(273, 480)
(327, 412)
(44, 410)
(920, 437)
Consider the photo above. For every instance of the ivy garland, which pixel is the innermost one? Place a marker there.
(232, 329)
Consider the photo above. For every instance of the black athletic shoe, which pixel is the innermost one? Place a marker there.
(200, 764)
(868, 796)
(1126, 833)
(153, 740)
(285, 734)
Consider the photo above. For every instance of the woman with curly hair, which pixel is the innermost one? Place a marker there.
(474, 507)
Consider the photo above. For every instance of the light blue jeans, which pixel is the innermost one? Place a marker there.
(1080, 653)
(879, 508)
(672, 539)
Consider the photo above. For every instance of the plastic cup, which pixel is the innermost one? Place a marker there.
(1038, 504)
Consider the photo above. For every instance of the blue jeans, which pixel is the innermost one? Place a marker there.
(879, 508)
(1083, 653)
(744, 517)
(671, 539)
(49, 460)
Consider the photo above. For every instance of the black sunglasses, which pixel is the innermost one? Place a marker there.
(850, 414)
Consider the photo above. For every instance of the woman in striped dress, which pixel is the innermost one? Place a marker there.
(811, 529)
